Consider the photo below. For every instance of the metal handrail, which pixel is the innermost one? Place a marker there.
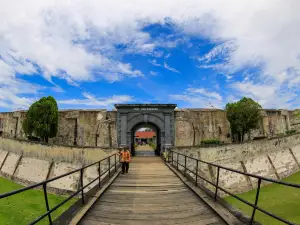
(216, 185)
(44, 184)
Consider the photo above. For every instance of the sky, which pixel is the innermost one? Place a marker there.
(91, 54)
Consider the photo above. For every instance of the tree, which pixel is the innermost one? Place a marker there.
(243, 116)
(42, 119)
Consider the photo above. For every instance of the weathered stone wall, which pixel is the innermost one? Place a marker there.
(194, 125)
(29, 163)
(294, 117)
(276, 158)
(99, 128)
(75, 127)
(56, 153)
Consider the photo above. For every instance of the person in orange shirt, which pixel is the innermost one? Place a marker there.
(125, 159)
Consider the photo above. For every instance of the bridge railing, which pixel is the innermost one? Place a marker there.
(112, 167)
(174, 161)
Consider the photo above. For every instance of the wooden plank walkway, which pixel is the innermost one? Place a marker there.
(149, 194)
(144, 150)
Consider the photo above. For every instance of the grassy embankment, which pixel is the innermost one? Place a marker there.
(27, 206)
(280, 200)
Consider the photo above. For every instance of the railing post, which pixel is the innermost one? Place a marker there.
(99, 174)
(81, 181)
(172, 158)
(177, 159)
(109, 167)
(256, 200)
(184, 165)
(47, 204)
(197, 173)
(115, 163)
(217, 185)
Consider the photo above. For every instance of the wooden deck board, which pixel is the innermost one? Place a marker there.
(150, 194)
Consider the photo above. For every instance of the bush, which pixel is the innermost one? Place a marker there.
(152, 145)
(42, 119)
(211, 142)
(290, 132)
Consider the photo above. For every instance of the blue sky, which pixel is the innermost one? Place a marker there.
(196, 54)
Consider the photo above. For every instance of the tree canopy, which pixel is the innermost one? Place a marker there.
(42, 119)
(243, 116)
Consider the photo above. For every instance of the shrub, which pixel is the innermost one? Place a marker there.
(42, 119)
(290, 132)
(243, 116)
(211, 142)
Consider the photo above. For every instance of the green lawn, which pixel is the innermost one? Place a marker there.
(27, 206)
(278, 199)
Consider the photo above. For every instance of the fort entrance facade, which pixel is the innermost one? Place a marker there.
(173, 126)
(159, 117)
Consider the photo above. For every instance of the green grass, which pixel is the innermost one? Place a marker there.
(27, 206)
(280, 200)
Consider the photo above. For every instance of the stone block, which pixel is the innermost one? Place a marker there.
(90, 174)
(259, 166)
(69, 182)
(34, 170)
(2, 156)
(296, 151)
(10, 163)
(232, 181)
(284, 163)
(203, 171)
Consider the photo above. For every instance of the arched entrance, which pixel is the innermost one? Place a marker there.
(132, 116)
(145, 140)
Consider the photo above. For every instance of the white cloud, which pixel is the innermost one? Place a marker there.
(153, 73)
(269, 96)
(199, 97)
(90, 100)
(11, 95)
(206, 93)
(76, 40)
(154, 62)
(170, 68)
(45, 32)
(168, 56)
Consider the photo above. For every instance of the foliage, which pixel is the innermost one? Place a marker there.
(243, 116)
(152, 144)
(211, 142)
(25, 207)
(281, 200)
(290, 132)
(42, 119)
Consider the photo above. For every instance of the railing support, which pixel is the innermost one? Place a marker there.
(115, 163)
(217, 185)
(99, 174)
(184, 165)
(81, 181)
(172, 158)
(256, 200)
(197, 173)
(47, 203)
(109, 167)
(177, 160)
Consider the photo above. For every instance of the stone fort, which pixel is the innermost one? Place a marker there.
(174, 127)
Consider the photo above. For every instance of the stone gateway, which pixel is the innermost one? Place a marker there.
(160, 117)
(173, 126)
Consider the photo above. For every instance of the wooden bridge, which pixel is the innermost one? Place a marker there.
(149, 194)
(153, 192)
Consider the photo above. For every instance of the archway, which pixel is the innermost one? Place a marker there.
(131, 116)
(145, 139)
